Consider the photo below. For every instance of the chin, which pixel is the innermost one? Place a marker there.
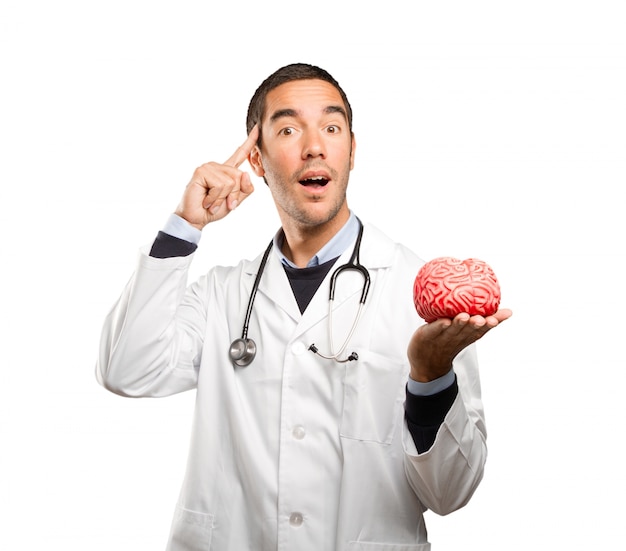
(319, 216)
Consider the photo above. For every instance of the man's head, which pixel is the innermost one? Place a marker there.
(306, 146)
(295, 71)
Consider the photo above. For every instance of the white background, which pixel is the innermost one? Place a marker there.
(487, 129)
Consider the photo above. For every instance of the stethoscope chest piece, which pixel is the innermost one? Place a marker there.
(242, 352)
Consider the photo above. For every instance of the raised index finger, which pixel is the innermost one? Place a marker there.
(242, 152)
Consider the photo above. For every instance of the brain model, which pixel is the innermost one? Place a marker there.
(446, 286)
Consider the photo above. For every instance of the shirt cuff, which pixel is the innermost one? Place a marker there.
(180, 228)
(432, 387)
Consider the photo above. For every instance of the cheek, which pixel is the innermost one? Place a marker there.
(344, 151)
(279, 161)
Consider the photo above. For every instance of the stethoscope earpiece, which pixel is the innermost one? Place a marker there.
(242, 352)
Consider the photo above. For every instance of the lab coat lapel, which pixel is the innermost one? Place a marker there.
(317, 310)
(275, 286)
(376, 253)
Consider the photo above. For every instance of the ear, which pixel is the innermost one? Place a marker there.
(256, 161)
(352, 152)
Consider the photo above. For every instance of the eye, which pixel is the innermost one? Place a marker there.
(285, 132)
(332, 129)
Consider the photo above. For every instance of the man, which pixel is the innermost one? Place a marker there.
(338, 427)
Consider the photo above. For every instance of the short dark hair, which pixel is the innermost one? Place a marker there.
(289, 73)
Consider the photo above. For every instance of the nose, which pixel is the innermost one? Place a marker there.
(313, 145)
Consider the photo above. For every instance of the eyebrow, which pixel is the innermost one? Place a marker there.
(285, 113)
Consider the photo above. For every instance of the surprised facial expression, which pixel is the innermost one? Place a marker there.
(307, 152)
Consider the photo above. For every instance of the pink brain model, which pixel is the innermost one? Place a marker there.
(446, 286)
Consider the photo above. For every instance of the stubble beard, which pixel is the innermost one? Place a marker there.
(298, 213)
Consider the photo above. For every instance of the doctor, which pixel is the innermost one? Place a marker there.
(341, 427)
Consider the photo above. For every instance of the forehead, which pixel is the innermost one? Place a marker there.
(304, 97)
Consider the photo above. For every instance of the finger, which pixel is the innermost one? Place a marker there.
(242, 152)
(498, 317)
(233, 189)
(246, 185)
(463, 324)
(435, 328)
(503, 314)
(235, 198)
(213, 204)
(221, 184)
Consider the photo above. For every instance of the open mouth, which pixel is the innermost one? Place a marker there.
(314, 181)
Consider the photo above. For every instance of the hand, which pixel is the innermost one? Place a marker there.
(217, 189)
(434, 345)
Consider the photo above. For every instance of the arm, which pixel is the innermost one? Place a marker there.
(446, 475)
(152, 339)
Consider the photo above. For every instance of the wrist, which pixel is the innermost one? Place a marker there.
(425, 374)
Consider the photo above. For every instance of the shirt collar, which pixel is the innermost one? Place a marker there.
(334, 248)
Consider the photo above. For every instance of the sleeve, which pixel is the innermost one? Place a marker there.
(447, 473)
(151, 340)
(424, 415)
(169, 246)
(178, 238)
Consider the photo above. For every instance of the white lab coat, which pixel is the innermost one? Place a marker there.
(294, 452)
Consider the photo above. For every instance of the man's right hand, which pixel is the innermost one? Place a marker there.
(216, 189)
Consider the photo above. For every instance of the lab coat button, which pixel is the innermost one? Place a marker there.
(296, 519)
(298, 348)
(298, 432)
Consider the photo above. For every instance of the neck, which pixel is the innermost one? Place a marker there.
(303, 242)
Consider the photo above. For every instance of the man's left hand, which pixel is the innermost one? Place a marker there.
(434, 345)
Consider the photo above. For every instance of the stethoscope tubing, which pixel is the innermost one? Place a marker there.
(243, 350)
(255, 288)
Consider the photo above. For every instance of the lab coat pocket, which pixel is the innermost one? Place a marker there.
(191, 531)
(373, 396)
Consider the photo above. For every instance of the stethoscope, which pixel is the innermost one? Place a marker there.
(243, 350)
